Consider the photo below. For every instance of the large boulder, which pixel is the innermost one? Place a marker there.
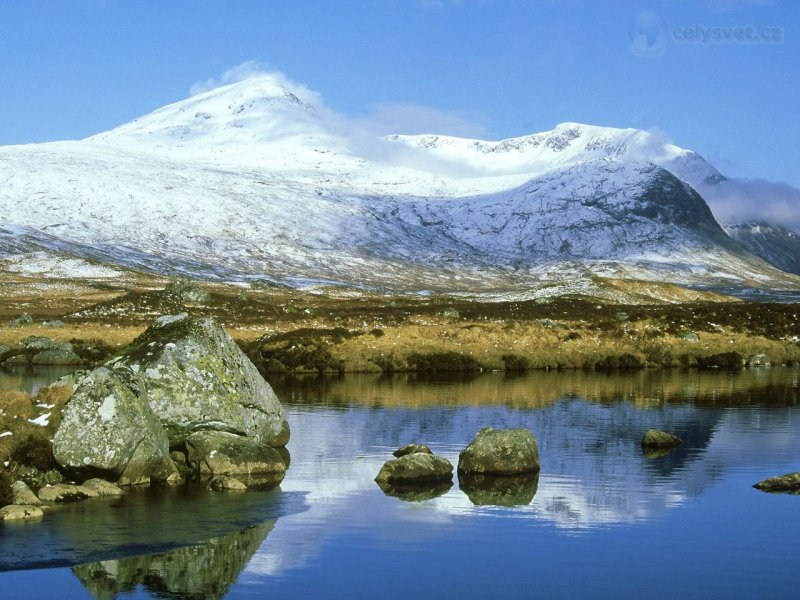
(500, 452)
(197, 379)
(108, 428)
(415, 468)
(182, 378)
(657, 439)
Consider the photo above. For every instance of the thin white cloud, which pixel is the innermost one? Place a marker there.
(410, 119)
(738, 201)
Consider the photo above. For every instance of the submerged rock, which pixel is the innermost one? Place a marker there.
(655, 439)
(411, 449)
(219, 453)
(499, 490)
(787, 484)
(20, 512)
(416, 492)
(101, 487)
(22, 494)
(500, 452)
(226, 484)
(415, 468)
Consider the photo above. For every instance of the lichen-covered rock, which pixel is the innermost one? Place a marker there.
(102, 487)
(197, 379)
(787, 484)
(21, 320)
(758, 360)
(20, 512)
(224, 483)
(411, 449)
(22, 494)
(500, 452)
(63, 493)
(416, 468)
(216, 453)
(654, 438)
(186, 291)
(107, 428)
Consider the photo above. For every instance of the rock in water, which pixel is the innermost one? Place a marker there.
(500, 452)
(108, 427)
(226, 484)
(411, 449)
(20, 512)
(656, 439)
(787, 484)
(416, 468)
(63, 492)
(102, 487)
(182, 376)
(499, 490)
(196, 378)
(218, 453)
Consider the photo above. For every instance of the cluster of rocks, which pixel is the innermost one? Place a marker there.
(39, 350)
(499, 466)
(27, 505)
(180, 402)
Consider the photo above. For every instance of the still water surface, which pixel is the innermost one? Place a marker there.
(601, 521)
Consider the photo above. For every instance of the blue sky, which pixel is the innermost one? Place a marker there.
(490, 68)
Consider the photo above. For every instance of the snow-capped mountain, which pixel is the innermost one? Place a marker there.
(258, 180)
(777, 245)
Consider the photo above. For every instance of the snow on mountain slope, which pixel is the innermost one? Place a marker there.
(259, 180)
(777, 245)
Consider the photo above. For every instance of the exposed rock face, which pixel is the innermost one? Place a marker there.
(788, 484)
(415, 468)
(411, 449)
(219, 453)
(20, 512)
(22, 494)
(182, 378)
(500, 452)
(197, 378)
(108, 428)
(656, 439)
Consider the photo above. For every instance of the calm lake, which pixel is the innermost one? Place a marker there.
(602, 520)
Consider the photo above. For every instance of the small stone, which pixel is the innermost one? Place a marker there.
(417, 467)
(786, 484)
(223, 483)
(20, 512)
(22, 494)
(654, 438)
(411, 449)
(102, 487)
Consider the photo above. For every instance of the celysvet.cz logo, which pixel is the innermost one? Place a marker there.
(650, 34)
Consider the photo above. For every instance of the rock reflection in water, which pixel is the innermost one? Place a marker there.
(204, 570)
(416, 493)
(493, 490)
